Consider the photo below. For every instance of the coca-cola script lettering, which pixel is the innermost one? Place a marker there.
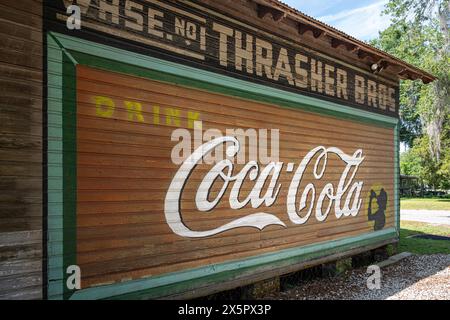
(300, 203)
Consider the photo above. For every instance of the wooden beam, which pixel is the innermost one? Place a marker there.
(362, 54)
(384, 64)
(318, 33)
(355, 49)
(427, 80)
(404, 74)
(303, 28)
(258, 275)
(414, 76)
(410, 75)
(277, 15)
(335, 43)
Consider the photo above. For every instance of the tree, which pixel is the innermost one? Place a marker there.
(418, 161)
(415, 48)
(421, 19)
(419, 34)
(444, 170)
(419, 12)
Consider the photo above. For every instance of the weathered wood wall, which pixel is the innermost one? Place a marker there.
(21, 77)
(230, 39)
(124, 170)
(112, 221)
(287, 28)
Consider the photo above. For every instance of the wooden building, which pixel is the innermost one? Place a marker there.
(179, 148)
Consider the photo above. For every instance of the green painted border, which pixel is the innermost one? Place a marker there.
(55, 263)
(93, 54)
(69, 166)
(164, 285)
(397, 177)
(62, 172)
(64, 53)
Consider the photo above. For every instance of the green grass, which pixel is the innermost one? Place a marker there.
(425, 204)
(423, 246)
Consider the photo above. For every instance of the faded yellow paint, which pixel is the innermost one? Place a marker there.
(104, 106)
(173, 115)
(192, 117)
(134, 110)
(156, 111)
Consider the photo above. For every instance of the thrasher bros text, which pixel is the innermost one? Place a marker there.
(197, 34)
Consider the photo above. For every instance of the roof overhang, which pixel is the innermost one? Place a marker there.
(362, 50)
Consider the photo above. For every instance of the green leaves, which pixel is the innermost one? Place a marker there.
(419, 35)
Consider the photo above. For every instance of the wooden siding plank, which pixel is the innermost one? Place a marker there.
(118, 151)
(21, 63)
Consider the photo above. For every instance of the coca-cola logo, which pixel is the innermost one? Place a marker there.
(345, 197)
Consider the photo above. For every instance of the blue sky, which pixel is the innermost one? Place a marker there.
(359, 18)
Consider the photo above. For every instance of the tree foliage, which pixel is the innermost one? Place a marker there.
(419, 35)
(428, 40)
(418, 161)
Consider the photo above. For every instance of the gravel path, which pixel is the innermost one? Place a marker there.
(428, 216)
(424, 277)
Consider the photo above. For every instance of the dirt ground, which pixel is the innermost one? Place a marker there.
(418, 277)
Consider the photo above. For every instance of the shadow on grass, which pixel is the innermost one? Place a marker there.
(427, 199)
(422, 246)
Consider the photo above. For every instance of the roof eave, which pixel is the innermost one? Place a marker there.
(279, 11)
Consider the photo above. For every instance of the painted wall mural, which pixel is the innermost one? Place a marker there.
(376, 206)
(260, 220)
(171, 178)
(225, 45)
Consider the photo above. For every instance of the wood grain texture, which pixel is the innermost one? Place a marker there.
(236, 45)
(124, 169)
(21, 149)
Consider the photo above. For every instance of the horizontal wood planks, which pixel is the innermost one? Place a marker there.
(213, 39)
(124, 170)
(21, 56)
